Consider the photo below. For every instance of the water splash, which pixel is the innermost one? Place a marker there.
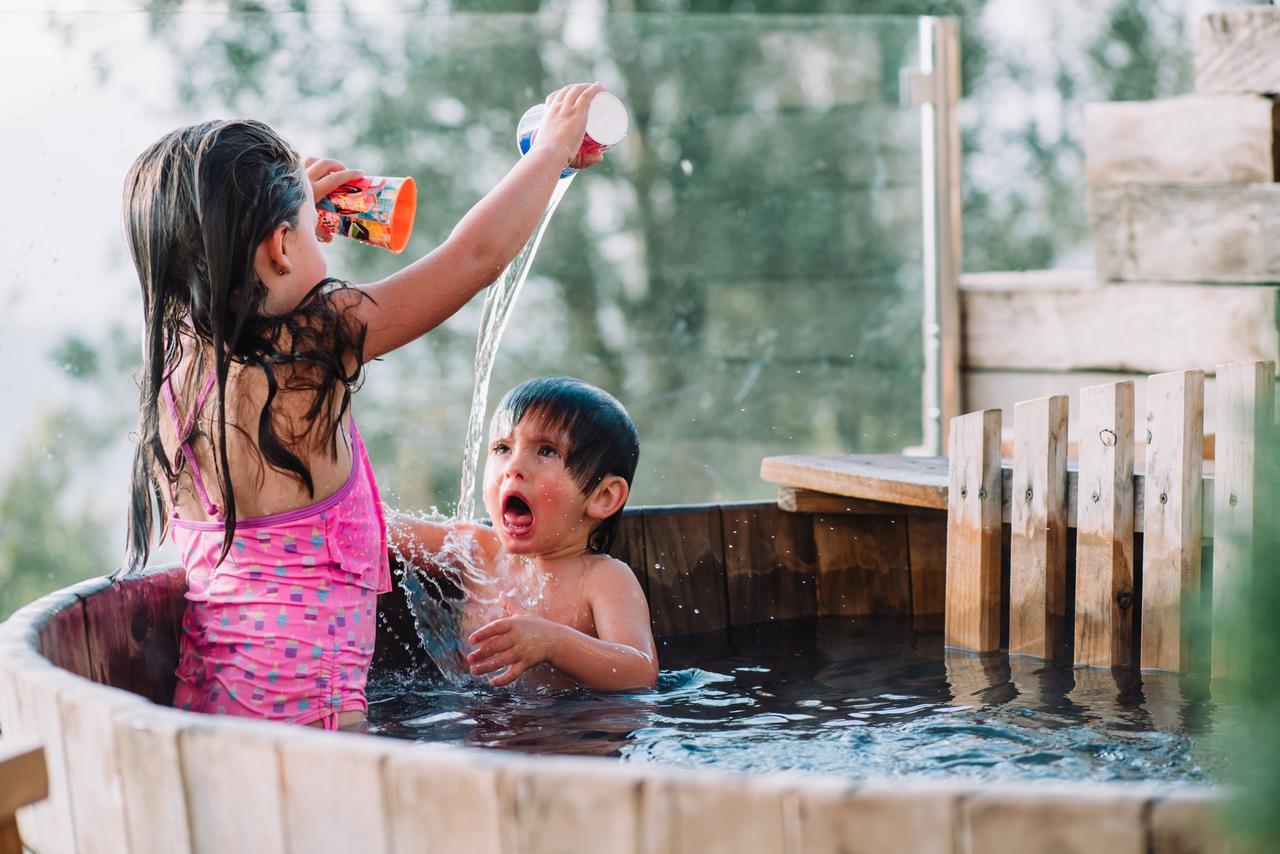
(452, 591)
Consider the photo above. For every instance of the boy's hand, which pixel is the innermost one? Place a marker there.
(326, 176)
(565, 123)
(516, 642)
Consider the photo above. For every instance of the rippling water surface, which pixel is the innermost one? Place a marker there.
(839, 695)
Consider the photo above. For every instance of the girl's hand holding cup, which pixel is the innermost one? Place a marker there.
(376, 211)
(327, 175)
(564, 124)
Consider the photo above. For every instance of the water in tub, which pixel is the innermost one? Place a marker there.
(864, 697)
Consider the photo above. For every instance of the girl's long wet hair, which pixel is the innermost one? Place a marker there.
(197, 204)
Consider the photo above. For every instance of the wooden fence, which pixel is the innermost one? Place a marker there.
(1144, 542)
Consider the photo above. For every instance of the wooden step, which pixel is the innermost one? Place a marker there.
(1189, 139)
(918, 482)
(1218, 233)
(1136, 328)
(1236, 50)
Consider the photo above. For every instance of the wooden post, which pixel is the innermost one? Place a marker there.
(1246, 405)
(973, 533)
(1104, 527)
(1173, 504)
(23, 780)
(1038, 594)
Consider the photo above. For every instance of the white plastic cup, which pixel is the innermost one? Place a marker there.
(607, 125)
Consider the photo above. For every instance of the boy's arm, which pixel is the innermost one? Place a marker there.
(414, 537)
(423, 295)
(621, 657)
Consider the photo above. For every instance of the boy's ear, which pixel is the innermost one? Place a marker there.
(607, 498)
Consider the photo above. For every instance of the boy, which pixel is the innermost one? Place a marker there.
(562, 455)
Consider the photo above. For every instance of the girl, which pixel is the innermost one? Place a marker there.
(246, 453)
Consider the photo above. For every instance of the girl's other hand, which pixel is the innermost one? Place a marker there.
(565, 123)
(326, 176)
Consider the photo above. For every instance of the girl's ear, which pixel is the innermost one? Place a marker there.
(607, 498)
(272, 260)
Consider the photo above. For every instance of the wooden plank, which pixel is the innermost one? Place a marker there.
(684, 547)
(148, 754)
(32, 711)
(63, 640)
(927, 553)
(708, 812)
(1246, 407)
(1038, 588)
(443, 799)
(628, 546)
(1104, 532)
(1236, 50)
(1186, 234)
(1191, 821)
(133, 630)
(795, 500)
(911, 481)
(1187, 139)
(833, 816)
(231, 774)
(94, 781)
(10, 841)
(973, 533)
(24, 779)
(1054, 819)
(321, 813)
(567, 805)
(1111, 328)
(771, 564)
(863, 565)
(1173, 510)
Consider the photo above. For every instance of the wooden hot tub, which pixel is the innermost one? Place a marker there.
(88, 672)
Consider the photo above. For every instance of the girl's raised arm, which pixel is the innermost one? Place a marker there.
(423, 295)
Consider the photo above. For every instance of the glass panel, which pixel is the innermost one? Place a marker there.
(743, 271)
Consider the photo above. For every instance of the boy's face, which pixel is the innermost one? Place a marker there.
(536, 505)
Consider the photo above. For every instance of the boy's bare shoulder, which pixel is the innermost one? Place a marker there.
(609, 572)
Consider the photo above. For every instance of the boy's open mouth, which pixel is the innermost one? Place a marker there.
(517, 517)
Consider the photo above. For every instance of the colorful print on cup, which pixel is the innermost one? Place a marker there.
(376, 211)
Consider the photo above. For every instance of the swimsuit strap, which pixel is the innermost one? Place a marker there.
(184, 438)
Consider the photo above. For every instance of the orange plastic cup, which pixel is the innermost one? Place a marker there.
(376, 211)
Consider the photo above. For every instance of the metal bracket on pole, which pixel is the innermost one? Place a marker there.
(935, 88)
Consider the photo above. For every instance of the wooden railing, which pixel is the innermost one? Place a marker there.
(1129, 600)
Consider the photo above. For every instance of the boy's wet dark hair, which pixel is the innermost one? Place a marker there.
(602, 437)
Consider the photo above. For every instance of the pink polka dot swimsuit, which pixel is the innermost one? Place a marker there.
(284, 628)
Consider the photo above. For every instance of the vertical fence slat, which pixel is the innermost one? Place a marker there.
(1104, 527)
(1173, 505)
(1245, 410)
(973, 532)
(1038, 548)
